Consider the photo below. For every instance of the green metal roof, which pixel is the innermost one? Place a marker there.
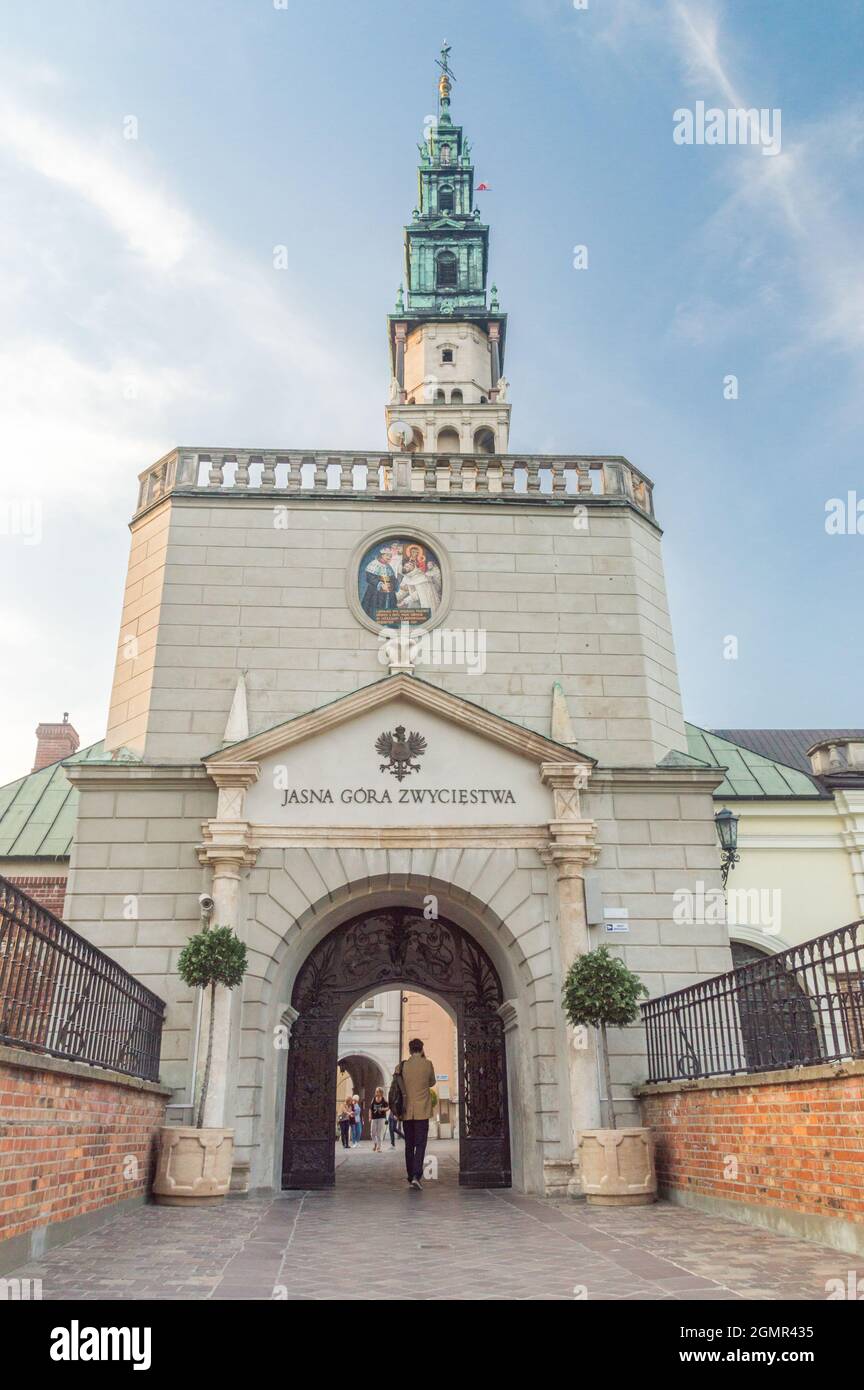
(749, 774)
(38, 812)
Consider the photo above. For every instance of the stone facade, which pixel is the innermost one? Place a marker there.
(261, 585)
(255, 707)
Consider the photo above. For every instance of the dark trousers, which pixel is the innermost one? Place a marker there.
(416, 1135)
(344, 1126)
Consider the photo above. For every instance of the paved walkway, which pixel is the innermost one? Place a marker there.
(374, 1238)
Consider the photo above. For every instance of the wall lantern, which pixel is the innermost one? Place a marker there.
(727, 833)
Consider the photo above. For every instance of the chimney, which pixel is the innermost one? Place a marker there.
(53, 742)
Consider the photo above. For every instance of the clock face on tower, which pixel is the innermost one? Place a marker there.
(399, 581)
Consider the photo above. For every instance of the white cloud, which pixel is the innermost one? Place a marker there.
(129, 327)
(784, 220)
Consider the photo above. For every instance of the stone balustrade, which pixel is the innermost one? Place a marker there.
(542, 478)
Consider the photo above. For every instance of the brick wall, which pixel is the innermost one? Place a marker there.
(73, 1139)
(788, 1140)
(48, 889)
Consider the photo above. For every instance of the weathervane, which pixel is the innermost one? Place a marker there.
(446, 77)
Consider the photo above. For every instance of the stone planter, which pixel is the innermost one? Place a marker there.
(617, 1167)
(194, 1167)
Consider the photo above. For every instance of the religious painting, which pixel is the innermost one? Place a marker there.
(400, 582)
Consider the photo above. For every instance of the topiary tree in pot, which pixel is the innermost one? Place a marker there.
(215, 956)
(194, 1162)
(600, 992)
(617, 1165)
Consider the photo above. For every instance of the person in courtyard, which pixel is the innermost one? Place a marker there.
(358, 1121)
(414, 1079)
(346, 1122)
(394, 1128)
(378, 1118)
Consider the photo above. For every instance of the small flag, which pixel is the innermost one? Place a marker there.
(483, 188)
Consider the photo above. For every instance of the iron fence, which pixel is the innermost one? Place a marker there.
(799, 1007)
(63, 996)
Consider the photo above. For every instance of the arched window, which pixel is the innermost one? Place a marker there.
(456, 397)
(440, 398)
(448, 441)
(445, 200)
(445, 154)
(484, 441)
(446, 276)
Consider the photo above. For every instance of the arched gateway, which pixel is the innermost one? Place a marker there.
(396, 946)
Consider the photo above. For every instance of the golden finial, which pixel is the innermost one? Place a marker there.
(446, 78)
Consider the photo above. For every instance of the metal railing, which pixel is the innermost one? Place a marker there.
(536, 479)
(63, 996)
(800, 1007)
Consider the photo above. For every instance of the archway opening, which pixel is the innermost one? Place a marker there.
(373, 1039)
(398, 950)
(358, 1075)
(779, 1021)
(448, 441)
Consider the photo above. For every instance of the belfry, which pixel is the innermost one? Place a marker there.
(447, 334)
(541, 799)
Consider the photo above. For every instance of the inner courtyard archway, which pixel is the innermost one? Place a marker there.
(370, 953)
(362, 1074)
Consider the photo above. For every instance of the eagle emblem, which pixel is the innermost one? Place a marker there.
(400, 751)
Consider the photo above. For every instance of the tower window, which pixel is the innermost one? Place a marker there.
(445, 200)
(484, 442)
(448, 441)
(456, 397)
(439, 397)
(447, 355)
(446, 277)
(445, 154)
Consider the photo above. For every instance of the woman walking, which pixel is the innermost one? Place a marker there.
(378, 1118)
(358, 1122)
(346, 1122)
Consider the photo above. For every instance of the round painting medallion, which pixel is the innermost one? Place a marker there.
(399, 581)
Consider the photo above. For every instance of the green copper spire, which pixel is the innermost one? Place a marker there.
(446, 243)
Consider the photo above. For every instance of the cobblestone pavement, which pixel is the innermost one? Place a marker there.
(372, 1237)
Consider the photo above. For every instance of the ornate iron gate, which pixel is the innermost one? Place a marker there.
(396, 946)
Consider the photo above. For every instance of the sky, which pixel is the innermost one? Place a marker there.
(153, 155)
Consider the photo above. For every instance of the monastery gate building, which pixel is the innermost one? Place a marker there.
(459, 809)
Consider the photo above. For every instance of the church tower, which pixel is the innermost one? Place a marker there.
(447, 335)
(521, 761)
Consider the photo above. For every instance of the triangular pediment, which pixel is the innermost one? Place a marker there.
(418, 694)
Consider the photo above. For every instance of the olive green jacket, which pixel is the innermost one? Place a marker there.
(418, 1077)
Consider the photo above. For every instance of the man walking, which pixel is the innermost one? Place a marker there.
(417, 1080)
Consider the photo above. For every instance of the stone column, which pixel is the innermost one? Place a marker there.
(400, 331)
(495, 354)
(227, 851)
(572, 848)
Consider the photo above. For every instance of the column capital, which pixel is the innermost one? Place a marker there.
(226, 849)
(572, 847)
(237, 774)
